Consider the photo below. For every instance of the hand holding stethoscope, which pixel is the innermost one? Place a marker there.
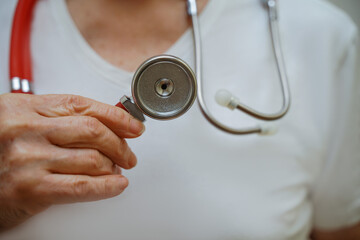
(57, 149)
(163, 87)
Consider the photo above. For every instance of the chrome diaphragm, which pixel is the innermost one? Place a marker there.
(163, 87)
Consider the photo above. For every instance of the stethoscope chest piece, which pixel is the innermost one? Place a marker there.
(164, 87)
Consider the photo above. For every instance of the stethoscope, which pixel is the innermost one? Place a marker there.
(164, 86)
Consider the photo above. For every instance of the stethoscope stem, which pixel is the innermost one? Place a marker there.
(271, 5)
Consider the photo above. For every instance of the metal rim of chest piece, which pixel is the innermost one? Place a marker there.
(164, 87)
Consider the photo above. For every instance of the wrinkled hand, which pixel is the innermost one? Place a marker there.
(60, 149)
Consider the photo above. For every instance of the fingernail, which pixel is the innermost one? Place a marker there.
(136, 127)
(132, 162)
(124, 182)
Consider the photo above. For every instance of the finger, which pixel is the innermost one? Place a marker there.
(60, 160)
(61, 188)
(88, 132)
(115, 118)
(82, 162)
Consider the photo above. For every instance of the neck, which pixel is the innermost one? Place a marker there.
(130, 29)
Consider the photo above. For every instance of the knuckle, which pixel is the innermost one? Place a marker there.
(9, 101)
(95, 160)
(23, 125)
(21, 154)
(11, 127)
(11, 122)
(74, 103)
(8, 123)
(8, 126)
(93, 126)
(16, 154)
(80, 187)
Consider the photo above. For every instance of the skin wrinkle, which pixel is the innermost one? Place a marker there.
(98, 133)
(29, 156)
(93, 111)
(78, 144)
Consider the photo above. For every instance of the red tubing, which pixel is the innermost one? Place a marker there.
(119, 104)
(16, 63)
(27, 52)
(16, 91)
(20, 55)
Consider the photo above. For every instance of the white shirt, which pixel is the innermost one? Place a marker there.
(193, 181)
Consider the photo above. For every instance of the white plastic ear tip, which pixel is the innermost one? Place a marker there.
(268, 130)
(223, 97)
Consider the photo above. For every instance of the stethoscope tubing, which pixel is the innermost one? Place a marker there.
(275, 36)
(20, 55)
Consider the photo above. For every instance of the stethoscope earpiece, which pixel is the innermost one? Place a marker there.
(226, 99)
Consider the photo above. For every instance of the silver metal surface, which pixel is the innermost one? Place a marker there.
(191, 7)
(25, 86)
(272, 9)
(20, 84)
(15, 84)
(132, 108)
(164, 87)
(271, 4)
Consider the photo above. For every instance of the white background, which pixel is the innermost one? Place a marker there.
(352, 7)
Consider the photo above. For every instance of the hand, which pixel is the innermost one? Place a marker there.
(60, 149)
